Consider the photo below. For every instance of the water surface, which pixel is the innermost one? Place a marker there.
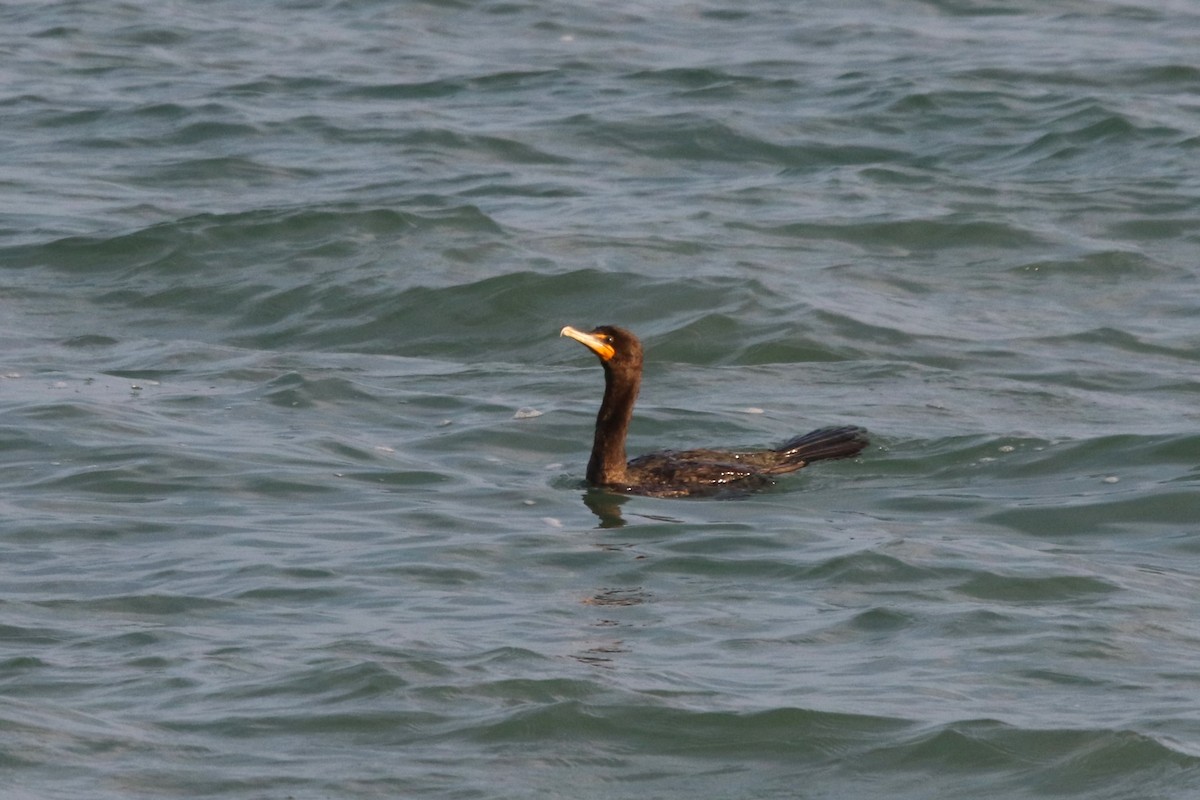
(291, 456)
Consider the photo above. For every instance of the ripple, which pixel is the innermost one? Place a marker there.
(274, 297)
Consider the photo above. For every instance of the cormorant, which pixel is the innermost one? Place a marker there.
(685, 473)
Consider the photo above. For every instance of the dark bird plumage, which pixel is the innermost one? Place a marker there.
(683, 473)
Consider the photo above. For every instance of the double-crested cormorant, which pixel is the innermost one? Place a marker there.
(683, 473)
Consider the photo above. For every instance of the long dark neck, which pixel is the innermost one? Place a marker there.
(607, 464)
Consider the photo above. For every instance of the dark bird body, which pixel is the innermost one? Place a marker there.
(685, 473)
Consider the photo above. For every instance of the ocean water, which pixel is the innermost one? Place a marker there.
(291, 456)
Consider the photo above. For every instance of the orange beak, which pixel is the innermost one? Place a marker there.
(593, 343)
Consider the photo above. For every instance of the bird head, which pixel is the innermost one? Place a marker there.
(616, 347)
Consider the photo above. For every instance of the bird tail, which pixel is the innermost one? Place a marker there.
(820, 445)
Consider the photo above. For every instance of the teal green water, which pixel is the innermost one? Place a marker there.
(291, 455)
